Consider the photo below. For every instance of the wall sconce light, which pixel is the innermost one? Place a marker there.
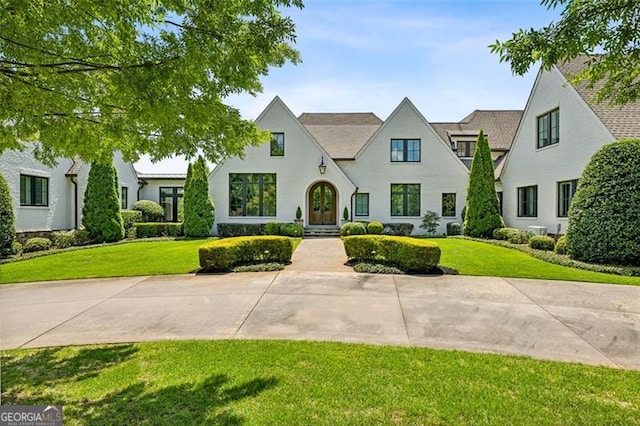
(322, 166)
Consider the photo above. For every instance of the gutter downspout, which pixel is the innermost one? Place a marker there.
(75, 200)
(352, 195)
(141, 184)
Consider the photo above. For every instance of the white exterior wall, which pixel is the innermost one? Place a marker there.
(438, 172)
(581, 135)
(127, 177)
(296, 171)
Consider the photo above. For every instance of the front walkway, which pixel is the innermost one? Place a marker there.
(589, 323)
(320, 254)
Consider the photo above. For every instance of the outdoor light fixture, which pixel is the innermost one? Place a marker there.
(322, 166)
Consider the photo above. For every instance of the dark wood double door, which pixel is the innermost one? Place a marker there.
(323, 205)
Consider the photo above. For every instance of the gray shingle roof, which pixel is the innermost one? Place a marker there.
(499, 126)
(622, 121)
(341, 134)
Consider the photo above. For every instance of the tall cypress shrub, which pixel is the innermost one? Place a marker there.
(199, 213)
(604, 223)
(483, 208)
(7, 220)
(101, 209)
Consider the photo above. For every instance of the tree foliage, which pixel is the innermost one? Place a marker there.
(604, 223)
(199, 213)
(482, 216)
(586, 27)
(89, 77)
(7, 219)
(101, 209)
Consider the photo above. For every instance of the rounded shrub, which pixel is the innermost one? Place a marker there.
(519, 237)
(292, 230)
(604, 224)
(503, 233)
(561, 245)
(64, 239)
(36, 244)
(542, 242)
(272, 228)
(16, 248)
(352, 228)
(151, 211)
(454, 228)
(375, 228)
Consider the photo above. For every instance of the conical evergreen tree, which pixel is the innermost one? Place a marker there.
(199, 213)
(7, 220)
(483, 208)
(101, 209)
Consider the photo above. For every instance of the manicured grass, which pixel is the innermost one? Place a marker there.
(293, 383)
(121, 260)
(477, 258)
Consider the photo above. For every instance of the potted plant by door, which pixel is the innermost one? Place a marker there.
(299, 219)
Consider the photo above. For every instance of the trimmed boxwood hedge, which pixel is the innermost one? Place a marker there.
(352, 228)
(158, 229)
(37, 244)
(409, 254)
(375, 228)
(542, 242)
(240, 229)
(224, 254)
(401, 229)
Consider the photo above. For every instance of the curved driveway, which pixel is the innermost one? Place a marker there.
(590, 323)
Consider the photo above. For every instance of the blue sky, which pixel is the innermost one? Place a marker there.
(367, 55)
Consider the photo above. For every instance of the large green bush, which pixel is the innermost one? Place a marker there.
(483, 208)
(409, 254)
(7, 220)
(604, 218)
(225, 253)
(542, 242)
(199, 213)
(151, 211)
(37, 244)
(352, 228)
(101, 210)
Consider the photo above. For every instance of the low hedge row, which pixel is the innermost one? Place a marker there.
(158, 229)
(224, 254)
(240, 229)
(409, 254)
(292, 230)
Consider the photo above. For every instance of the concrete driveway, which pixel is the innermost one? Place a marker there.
(582, 322)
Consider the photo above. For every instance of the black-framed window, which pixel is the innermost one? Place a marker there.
(448, 204)
(466, 149)
(34, 191)
(528, 201)
(362, 204)
(252, 194)
(405, 199)
(566, 191)
(277, 144)
(405, 150)
(549, 128)
(124, 197)
(500, 200)
(172, 201)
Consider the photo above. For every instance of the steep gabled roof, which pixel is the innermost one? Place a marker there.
(76, 166)
(621, 121)
(499, 126)
(342, 135)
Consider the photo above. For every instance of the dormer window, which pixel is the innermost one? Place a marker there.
(466, 149)
(405, 150)
(277, 144)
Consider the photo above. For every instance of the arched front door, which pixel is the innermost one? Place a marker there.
(322, 202)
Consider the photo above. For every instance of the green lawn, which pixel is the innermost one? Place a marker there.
(275, 382)
(181, 256)
(476, 258)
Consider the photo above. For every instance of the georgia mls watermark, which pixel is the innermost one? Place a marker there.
(30, 415)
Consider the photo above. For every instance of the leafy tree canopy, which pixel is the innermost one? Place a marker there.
(609, 27)
(88, 77)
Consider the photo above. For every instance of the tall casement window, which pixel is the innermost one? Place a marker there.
(34, 191)
(362, 204)
(405, 150)
(566, 190)
(277, 144)
(124, 197)
(528, 201)
(549, 128)
(405, 199)
(252, 194)
(448, 204)
(500, 200)
(466, 149)
(172, 201)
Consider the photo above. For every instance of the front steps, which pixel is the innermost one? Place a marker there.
(322, 232)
